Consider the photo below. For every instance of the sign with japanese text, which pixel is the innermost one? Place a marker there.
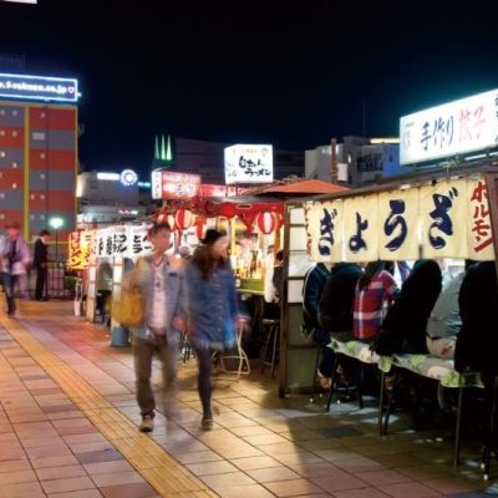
(459, 127)
(173, 185)
(449, 219)
(123, 241)
(80, 249)
(249, 164)
(212, 190)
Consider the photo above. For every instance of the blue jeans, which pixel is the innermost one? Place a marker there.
(9, 284)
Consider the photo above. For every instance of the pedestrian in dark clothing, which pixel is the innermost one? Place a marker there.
(40, 264)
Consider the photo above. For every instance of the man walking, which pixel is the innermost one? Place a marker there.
(40, 263)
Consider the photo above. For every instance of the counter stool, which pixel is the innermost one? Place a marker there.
(270, 346)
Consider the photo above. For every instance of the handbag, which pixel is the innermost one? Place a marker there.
(129, 309)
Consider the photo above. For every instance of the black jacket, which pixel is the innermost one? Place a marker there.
(335, 310)
(478, 300)
(314, 283)
(406, 319)
(40, 253)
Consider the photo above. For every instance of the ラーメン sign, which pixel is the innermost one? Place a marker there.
(248, 164)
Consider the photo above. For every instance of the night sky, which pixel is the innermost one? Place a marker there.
(251, 76)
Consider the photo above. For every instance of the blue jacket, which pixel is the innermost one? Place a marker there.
(213, 307)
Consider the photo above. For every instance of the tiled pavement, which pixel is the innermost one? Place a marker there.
(68, 429)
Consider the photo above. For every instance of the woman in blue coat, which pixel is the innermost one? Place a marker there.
(214, 314)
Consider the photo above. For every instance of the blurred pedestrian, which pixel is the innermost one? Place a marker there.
(214, 314)
(15, 258)
(40, 264)
(162, 284)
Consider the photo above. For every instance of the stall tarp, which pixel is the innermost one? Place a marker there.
(307, 186)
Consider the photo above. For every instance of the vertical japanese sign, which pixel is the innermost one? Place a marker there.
(479, 228)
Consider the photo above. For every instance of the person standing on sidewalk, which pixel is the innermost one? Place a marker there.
(14, 260)
(214, 315)
(40, 264)
(162, 284)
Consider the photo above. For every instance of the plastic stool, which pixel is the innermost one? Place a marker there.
(272, 327)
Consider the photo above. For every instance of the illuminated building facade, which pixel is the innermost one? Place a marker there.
(38, 152)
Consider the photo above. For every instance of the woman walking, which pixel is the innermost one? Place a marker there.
(214, 315)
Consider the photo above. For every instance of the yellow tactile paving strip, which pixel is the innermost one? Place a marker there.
(161, 471)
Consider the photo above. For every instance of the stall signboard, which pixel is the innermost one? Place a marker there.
(446, 219)
(459, 127)
(221, 191)
(173, 185)
(248, 164)
(80, 249)
(123, 241)
(46, 88)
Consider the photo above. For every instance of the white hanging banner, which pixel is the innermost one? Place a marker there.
(398, 215)
(138, 242)
(361, 229)
(324, 231)
(479, 230)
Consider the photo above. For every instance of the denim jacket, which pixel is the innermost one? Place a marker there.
(213, 307)
(174, 276)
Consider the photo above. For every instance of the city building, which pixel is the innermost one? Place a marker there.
(356, 162)
(38, 152)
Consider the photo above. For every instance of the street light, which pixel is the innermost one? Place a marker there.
(56, 223)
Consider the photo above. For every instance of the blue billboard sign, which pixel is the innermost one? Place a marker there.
(46, 88)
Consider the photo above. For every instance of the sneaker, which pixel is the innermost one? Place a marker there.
(147, 424)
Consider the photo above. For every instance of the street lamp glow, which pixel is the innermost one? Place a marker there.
(56, 222)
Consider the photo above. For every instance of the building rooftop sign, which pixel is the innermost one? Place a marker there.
(248, 164)
(456, 128)
(174, 185)
(46, 88)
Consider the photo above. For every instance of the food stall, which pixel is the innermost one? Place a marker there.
(442, 214)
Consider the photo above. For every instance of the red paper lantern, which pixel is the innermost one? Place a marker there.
(266, 222)
(166, 218)
(184, 219)
(199, 227)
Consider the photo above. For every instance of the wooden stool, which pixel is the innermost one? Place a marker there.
(272, 328)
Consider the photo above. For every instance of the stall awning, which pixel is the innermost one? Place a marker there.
(307, 186)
